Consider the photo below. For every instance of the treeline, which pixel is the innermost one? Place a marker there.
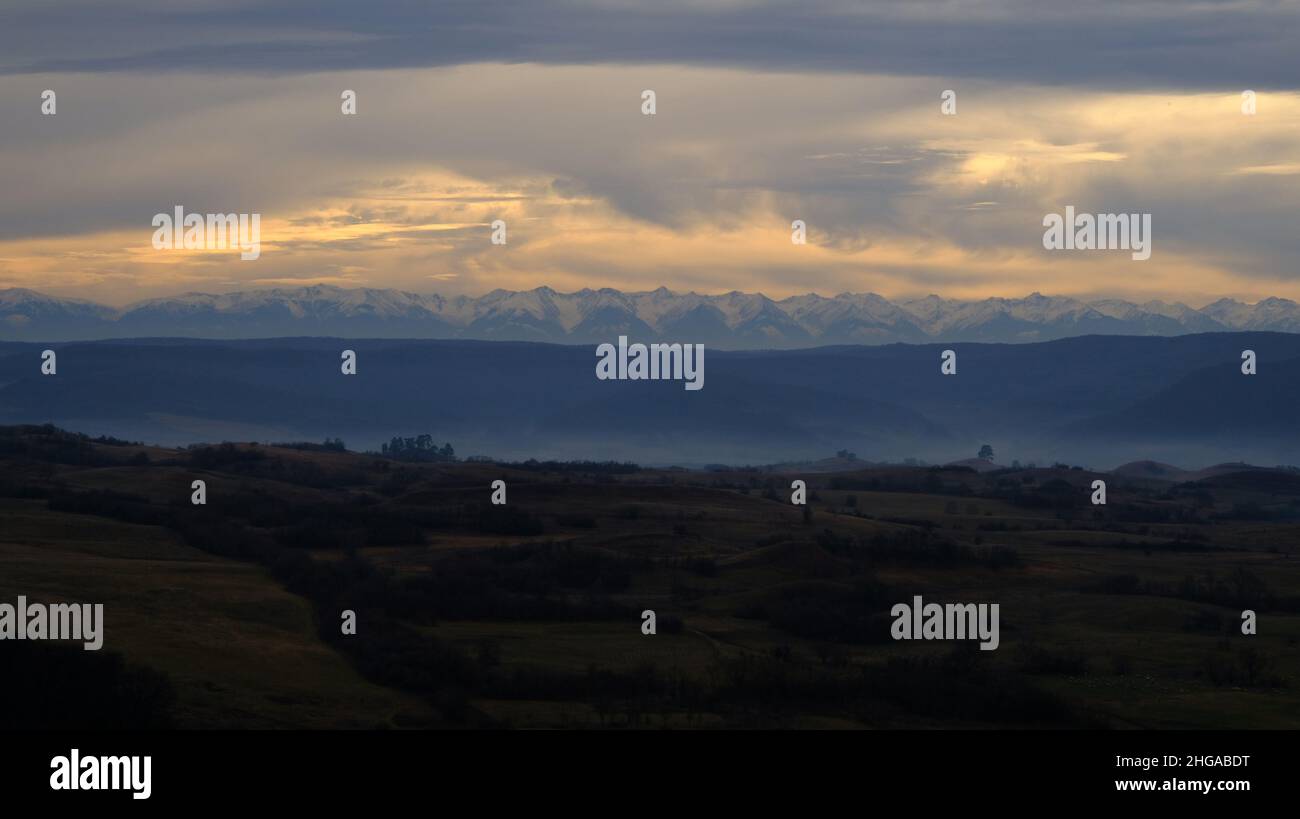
(341, 523)
(536, 581)
(854, 612)
(929, 481)
(328, 445)
(582, 467)
(420, 448)
(1239, 589)
(49, 444)
(914, 547)
(253, 461)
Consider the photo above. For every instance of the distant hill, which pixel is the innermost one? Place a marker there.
(1093, 401)
(1152, 470)
(729, 321)
(977, 464)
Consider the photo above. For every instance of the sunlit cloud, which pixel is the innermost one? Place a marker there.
(1277, 169)
(898, 198)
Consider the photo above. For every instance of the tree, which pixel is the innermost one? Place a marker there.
(418, 448)
(986, 453)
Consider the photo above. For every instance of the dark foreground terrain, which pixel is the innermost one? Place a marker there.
(529, 614)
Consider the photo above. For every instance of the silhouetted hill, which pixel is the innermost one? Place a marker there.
(1096, 400)
(1152, 470)
(1212, 404)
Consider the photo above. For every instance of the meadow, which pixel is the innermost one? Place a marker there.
(769, 614)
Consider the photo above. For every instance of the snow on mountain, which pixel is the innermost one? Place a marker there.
(1029, 319)
(1229, 312)
(735, 319)
(1274, 314)
(22, 302)
(29, 314)
(852, 318)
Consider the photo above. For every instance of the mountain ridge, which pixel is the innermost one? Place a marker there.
(734, 320)
(1091, 400)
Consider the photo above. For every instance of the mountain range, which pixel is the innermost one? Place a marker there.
(1096, 400)
(732, 320)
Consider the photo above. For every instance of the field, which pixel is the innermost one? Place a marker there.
(529, 614)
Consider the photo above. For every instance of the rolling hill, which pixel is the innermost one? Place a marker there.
(1100, 400)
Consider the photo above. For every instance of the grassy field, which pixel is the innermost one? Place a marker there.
(529, 615)
(240, 650)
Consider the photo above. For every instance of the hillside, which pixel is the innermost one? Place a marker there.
(1097, 401)
(529, 614)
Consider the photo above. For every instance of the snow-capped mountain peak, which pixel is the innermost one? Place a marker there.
(730, 320)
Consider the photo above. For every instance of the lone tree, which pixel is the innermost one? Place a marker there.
(986, 453)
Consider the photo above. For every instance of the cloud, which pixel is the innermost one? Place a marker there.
(1105, 43)
(1276, 169)
(898, 198)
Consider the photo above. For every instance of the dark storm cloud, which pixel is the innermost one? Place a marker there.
(1206, 45)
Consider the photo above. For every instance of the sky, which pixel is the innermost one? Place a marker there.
(531, 113)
